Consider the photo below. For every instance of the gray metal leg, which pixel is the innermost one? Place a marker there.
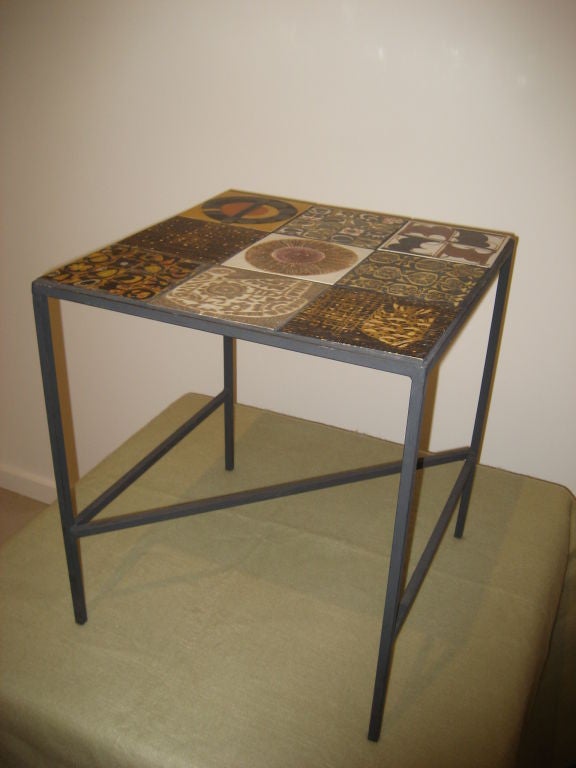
(229, 371)
(59, 459)
(396, 571)
(485, 388)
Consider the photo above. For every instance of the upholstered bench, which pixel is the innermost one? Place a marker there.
(247, 638)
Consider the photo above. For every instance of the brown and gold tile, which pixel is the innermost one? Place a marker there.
(367, 319)
(125, 271)
(262, 212)
(200, 241)
(242, 296)
(412, 277)
(345, 226)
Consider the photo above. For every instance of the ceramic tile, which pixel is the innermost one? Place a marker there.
(344, 226)
(125, 271)
(296, 257)
(441, 241)
(262, 212)
(242, 296)
(201, 241)
(367, 319)
(412, 277)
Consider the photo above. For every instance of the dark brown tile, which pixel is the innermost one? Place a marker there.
(200, 241)
(367, 319)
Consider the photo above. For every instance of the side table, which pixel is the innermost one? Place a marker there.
(371, 289)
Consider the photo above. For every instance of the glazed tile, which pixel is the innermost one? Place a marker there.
(412, 277)
(301, 258)
(343, 225)
(367, 319)
(201, 241)
(125, 271)
(262, 212)
(442, 241)
(242, 296)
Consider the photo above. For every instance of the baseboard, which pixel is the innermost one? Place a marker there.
(27, 484)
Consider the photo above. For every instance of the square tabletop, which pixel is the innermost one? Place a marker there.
(377, 283)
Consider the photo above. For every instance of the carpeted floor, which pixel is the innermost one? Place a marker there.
(16, 511)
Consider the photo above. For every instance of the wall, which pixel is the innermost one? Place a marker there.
(116, 115)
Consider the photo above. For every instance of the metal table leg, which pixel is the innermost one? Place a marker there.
(485, 388)
(396, 572)
(393, 617)
(229, 387)
(59, 458)
(70, 519)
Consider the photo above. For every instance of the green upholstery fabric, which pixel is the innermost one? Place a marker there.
(248, 637)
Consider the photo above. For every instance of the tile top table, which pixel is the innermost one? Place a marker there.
(365, 280)
(371, 289)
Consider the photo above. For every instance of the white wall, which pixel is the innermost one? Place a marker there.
(118, 114)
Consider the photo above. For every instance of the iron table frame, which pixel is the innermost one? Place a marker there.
(399, 598)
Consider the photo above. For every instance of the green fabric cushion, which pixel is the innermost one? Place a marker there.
(248, 637)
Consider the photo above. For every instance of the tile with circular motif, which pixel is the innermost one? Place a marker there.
(297, 257)
(263, 212)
